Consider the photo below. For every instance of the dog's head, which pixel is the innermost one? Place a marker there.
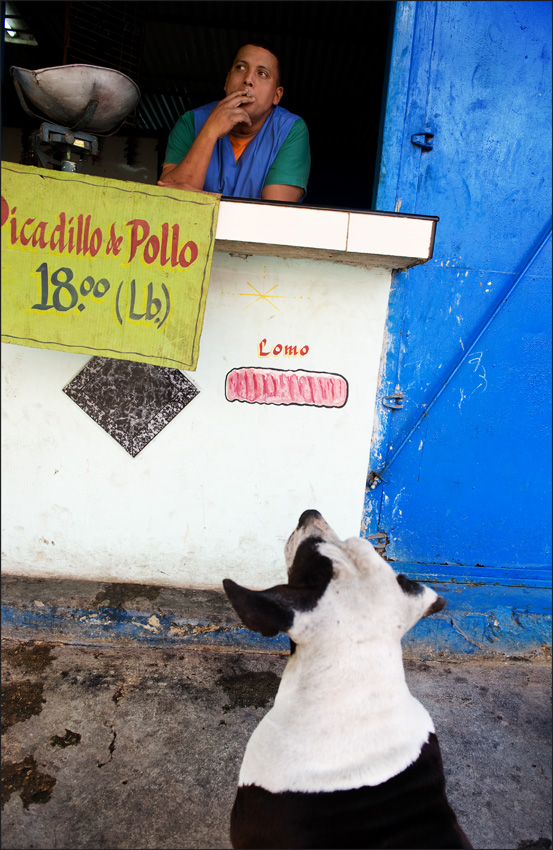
(335, 588)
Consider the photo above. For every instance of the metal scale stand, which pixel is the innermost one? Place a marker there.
(79, 103)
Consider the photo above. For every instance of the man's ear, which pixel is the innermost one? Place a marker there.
(278, 96)
(265, 611)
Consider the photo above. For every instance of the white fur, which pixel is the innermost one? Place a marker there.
(343, 716)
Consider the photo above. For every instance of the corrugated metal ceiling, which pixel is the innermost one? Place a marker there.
(326, 48)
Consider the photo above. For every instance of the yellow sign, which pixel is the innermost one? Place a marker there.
(105, 267)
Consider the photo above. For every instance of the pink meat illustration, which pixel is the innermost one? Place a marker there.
(275, 386)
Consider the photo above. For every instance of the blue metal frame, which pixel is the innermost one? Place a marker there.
(464, 494)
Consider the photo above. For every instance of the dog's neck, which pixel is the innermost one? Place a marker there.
(340, 720)
(338, 654)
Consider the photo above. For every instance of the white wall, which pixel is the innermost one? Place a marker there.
(219, 490)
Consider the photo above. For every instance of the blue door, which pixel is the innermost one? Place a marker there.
(459, 480)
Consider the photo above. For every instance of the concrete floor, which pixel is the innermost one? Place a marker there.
(135, 747)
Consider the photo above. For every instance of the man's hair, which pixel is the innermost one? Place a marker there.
(266, 45)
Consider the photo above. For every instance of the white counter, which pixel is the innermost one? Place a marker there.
(370, 240)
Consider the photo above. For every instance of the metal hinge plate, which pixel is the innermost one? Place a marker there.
(423, 140)
(379, 541)
(393, 401)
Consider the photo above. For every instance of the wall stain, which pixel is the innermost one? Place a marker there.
(32, 656)
(70, 739)
(117, 594)
(249, 689)
(24, 779)
(20, 701)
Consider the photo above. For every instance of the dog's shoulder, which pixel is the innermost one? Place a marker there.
(409, 810)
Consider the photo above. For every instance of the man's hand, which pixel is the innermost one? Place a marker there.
(190, 173)
(228, 113)
(176, 184)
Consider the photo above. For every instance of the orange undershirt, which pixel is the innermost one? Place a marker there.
(238, 146)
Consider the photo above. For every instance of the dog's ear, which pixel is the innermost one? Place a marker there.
(419, 601)
(414, 589)
(436, 606)
(265, 611)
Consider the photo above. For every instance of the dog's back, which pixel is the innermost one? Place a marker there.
(347, 757)
(408, 811)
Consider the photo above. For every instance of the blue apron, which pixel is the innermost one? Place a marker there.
(245, 178)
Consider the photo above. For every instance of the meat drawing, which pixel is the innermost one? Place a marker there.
(277, 386)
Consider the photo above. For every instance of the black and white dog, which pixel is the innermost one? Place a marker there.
(347, 757)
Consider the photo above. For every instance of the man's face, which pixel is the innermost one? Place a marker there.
(256, 70)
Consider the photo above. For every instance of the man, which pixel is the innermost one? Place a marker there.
(245, 145)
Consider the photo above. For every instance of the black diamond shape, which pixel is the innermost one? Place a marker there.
(131, 401)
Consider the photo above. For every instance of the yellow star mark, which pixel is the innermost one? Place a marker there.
(262, 296)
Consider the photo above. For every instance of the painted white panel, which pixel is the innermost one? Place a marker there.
(390, 235)
(274, 225)
(219, 490)
(370, 240)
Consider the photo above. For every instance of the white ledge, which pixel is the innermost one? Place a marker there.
(371, 239)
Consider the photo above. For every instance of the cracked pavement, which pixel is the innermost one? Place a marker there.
(140, 747)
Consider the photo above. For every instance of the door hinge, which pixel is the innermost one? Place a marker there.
(372, 480)
(393, 401)
(423, 140)
(379, 541)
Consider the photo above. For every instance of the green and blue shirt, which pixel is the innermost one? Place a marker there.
(278, 154)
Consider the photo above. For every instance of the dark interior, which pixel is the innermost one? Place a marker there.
(333, 54)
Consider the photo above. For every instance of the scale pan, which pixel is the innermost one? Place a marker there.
(64, 92)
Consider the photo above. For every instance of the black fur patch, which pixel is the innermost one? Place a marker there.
(410, 810)
(265, 611)
(310, 571)
(271, 611)
(409, 586)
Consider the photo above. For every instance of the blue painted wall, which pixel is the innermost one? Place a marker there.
(467, 497)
